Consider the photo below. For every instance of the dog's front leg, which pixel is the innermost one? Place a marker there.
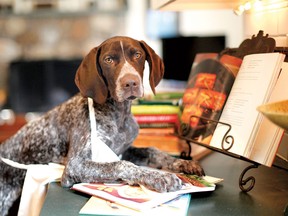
(89, 171)
(155, 158)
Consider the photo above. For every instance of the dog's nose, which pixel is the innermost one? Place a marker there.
(130, 82)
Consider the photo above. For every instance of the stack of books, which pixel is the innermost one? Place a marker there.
(159, 120)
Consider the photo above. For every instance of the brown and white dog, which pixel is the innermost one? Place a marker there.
(112, 75)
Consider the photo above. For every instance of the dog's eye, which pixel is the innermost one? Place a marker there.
(137, 55)
(108, 60)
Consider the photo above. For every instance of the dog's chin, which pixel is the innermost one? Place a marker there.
(129, 98)
(132, 97)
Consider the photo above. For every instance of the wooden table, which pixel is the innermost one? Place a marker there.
(268, 197)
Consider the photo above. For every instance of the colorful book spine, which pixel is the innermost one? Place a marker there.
(154, 109)
(157, 131)
(155, 119)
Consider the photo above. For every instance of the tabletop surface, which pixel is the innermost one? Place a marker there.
(268, 197)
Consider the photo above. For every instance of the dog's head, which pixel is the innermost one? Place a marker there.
(115, 68)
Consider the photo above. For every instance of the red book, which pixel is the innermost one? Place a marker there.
(158, 118)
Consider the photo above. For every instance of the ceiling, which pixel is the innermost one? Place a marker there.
(177, 5)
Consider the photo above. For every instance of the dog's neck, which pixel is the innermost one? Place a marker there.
(121, 110)
(122, 107)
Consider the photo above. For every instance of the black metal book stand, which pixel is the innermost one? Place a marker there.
(227, 142)
(257, 44)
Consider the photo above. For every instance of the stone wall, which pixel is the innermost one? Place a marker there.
(53, 36)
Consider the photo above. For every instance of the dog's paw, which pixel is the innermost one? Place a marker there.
(160, 181)
(188, 167)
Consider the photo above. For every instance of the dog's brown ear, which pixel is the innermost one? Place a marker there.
(89, 80)
(156, 66)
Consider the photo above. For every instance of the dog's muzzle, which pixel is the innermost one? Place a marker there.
(131, 87)
(129, 84)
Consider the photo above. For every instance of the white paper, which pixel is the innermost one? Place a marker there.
(35, 186)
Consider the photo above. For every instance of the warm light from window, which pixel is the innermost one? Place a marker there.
(260, 5)
(247, 6)
(257, 5)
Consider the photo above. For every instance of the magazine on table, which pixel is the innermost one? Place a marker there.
(97, 206)
(140, 198)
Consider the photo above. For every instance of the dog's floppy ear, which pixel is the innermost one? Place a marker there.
(156, 66)
(89, 80)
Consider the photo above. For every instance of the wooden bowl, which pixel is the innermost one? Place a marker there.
(276, 112)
